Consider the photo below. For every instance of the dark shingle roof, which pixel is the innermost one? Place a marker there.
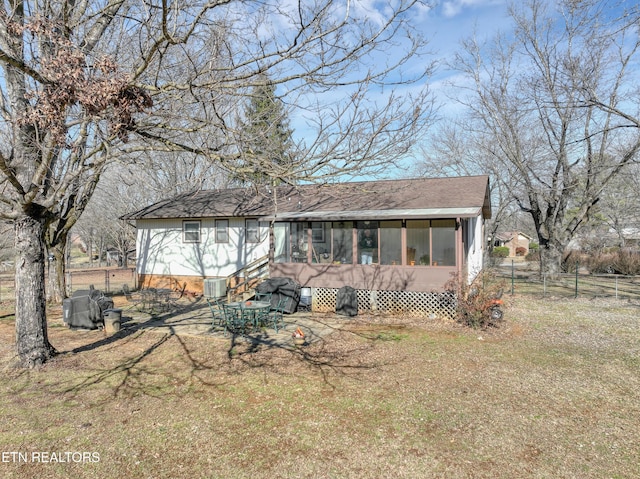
(450, 196)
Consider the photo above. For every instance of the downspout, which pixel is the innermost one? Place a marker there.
(459, 250)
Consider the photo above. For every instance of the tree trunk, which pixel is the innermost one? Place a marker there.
(32, 343)
(551, 258)
(56, 284)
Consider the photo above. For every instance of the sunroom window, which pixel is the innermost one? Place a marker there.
(321, 242)
(367, 242)
(299, 242)
(281, 232)
(418, 243)
(443, 233)
(391, 242)
(343, 242)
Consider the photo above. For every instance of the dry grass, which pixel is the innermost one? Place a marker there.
(554, 394)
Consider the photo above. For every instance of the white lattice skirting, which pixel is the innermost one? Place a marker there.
(394, 302)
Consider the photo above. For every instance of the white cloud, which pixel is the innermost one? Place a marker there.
(453, 8)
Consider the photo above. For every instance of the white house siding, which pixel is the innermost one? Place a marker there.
(475, 247)
(161, 250)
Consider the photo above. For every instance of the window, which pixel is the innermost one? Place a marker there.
(281, 233)
(321, 242)
(391, 242)
(222, 231)
(299, 242)
(343, 242)
(367, 242)
(444, 240)
(418, 243)
(252, 229)
(318, 231)
(191, 232)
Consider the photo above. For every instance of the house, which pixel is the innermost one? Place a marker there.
(516, 241)
(395, 241)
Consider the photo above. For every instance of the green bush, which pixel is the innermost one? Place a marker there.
(534, 246)
(500, 252)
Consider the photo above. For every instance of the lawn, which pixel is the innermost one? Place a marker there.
(555, 393)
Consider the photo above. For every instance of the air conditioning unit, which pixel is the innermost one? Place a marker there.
(215, 288)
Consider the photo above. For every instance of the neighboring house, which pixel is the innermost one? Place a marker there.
(513, 240)
(404, 236)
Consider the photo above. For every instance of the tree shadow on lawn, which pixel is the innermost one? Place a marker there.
(161, 361)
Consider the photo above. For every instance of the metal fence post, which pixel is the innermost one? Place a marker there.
(513, 272)
(577, 266)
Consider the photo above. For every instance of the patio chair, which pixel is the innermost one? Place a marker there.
(234, 319)
(263, 297)
(217, 313)
(276, 315)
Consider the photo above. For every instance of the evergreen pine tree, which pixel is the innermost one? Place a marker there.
(266, 137)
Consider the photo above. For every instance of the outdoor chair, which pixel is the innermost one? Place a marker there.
(217, 314)
(261, 316)
(276, 315)
(234, 319)
(263, 297)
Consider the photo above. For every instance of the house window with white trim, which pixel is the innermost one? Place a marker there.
(252, 229)
(222, 231)
(191, 231)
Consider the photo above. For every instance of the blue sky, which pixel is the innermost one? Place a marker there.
(445, 24)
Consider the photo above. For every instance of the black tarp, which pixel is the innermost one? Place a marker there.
(347, 301)
(85, 309)
(286, 289)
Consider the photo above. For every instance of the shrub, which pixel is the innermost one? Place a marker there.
(627, 262)
(471, 308)
(533, 246)
(500, 252)
(601, 263)
(614, 262)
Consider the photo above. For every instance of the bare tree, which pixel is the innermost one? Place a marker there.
(619, 208)
(452, 149)
(88, 83)
(533, 101)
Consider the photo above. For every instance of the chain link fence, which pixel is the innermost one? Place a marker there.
(519, 279)
(108, 280)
